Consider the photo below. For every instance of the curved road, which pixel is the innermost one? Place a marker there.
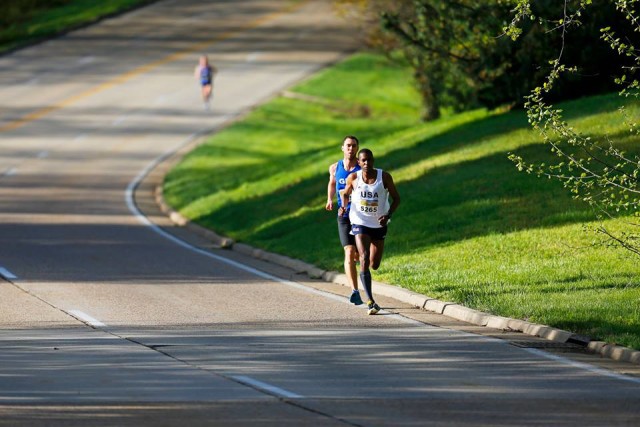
(107, 319)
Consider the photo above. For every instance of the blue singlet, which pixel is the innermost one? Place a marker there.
(341, 180)
(205, 75)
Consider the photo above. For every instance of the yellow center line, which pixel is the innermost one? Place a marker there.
(122, 78)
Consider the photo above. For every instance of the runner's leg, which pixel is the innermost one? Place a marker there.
(363, 243)
(206, 92)
(377, 249)
(350, 257)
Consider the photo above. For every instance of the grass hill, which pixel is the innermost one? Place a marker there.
(471, 229)
(28, 21)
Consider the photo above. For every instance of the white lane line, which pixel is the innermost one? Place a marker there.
(86, 60)
(585, 366)
(86, 318)
(253, 56)
(144, 220)
(10, 172)
(80, 137)
(119, 120)
(7, 274)
(271, 389)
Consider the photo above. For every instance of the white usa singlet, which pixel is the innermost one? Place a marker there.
(369, 201)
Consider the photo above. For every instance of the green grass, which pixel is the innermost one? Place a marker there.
(470, 229)
(26, 21)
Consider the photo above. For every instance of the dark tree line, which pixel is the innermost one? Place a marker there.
(462, 58)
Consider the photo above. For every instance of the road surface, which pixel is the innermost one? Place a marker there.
(110, 316)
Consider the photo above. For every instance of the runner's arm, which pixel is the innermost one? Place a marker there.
(387, 180)
(331, 187)
(344, 194)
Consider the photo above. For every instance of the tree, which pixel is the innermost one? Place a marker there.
(443, 41)
(446, 44)
(596, 171)
(459, 59)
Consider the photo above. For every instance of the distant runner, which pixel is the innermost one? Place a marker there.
(370, 213)
(338, 173)
(205, 73)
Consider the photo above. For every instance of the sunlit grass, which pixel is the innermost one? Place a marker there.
(470, 229)
(24, 21)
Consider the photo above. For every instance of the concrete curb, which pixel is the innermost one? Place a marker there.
(423, 302)
(179, 220)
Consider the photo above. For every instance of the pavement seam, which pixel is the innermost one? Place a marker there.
(285, 400)
(55, 307)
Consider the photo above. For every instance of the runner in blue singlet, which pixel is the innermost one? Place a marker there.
(205, 73)
(338, 173)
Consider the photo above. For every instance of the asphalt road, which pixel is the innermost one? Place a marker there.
(111, 316)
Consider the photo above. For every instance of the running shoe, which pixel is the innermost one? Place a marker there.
(373, 308)
(355, 298)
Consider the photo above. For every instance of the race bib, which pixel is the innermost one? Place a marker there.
(368, 207)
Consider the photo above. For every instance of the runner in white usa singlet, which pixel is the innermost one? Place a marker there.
(370, 213)
(369, 201)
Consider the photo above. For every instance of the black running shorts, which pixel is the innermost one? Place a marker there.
(375, 233)
(344, 231)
